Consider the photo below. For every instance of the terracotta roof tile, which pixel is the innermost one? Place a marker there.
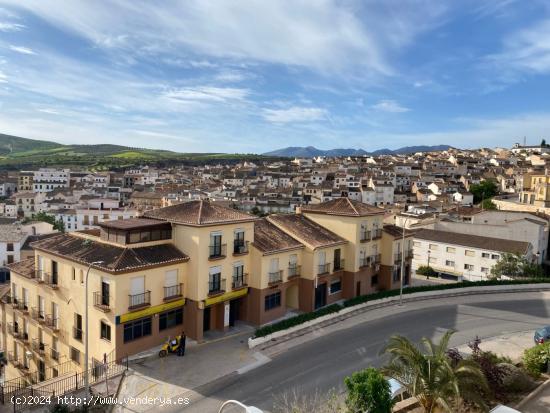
(305, 230)
(199, 212)
(24, 267)
(473, 241)
(115, 259)
(343, 207)
(269, 239)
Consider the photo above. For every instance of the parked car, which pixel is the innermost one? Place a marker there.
(542, 335)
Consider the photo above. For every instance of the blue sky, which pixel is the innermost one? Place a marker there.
(253, 76)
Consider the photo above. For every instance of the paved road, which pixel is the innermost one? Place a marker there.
(321, 363)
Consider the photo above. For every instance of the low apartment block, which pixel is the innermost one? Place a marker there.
(195, 266)
(463, 256)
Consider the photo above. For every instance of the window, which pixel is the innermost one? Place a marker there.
(105, 331)
(137, 329)
(170, 319)
(451, 250)
(74, 273)
(417, 243)
(10, 246)
(468, 267)
(495, 256)
(374, 280)
(485, 270)
(335, 286)
(434, 247)
(469, 253)
(485, 255)
(10, 259)
(272, 301)
(449, 263)
(75, 355)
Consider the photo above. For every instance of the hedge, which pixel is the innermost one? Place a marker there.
(334, 308)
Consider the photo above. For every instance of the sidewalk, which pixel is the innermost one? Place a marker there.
(508, 345)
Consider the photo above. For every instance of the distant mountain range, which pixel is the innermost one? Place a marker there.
(311, 151)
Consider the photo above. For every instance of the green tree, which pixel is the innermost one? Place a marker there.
(50, 219)
(543, 143)
(483, 190)
(427, 271)
(515, 266)
(368, 391)
(488, 204)
(431, 376)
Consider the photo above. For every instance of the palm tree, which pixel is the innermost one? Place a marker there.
(431, 376)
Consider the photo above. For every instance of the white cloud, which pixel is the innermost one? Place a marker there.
(527, 50)
(294, 114)
(10, 27)
(328, 36)
(21, 49)
(3, 78)
(207, 93)
(390, 106)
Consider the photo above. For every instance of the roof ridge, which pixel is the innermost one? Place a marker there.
(117, 261)
(352, 206)
(199, 220)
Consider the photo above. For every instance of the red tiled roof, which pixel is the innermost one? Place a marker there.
(269, 239)
(343, 207)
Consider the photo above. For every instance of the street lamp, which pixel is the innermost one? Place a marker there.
(86, 376)
(247, 409)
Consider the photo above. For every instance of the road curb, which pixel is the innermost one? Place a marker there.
(299, 330)
(534, 394)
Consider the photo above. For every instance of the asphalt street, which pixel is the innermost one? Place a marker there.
(321, 364)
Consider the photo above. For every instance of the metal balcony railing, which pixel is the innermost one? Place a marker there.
(375, 259)
(376, 233)
(240, 247)
(51, 280)
(294, 270)
(339, 265)
(38, 314)
(365, 236)
(102, 301)
(13, 329)
(397, 258)
(38, 346)
(21, 305)
(51, 322)
(6, 299)
(409, 254)
(275, 277)
(216, 286)
(323, 268)
(139, 300)
(217, 251)
(364, 262)
(239, 281)
(173, 291)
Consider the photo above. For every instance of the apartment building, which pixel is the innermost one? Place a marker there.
(463, 256)
(395, 252)
(48, 179)
(195, 266)
(536, 191)
(25, 181)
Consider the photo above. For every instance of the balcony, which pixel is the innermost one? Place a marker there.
(409, 254)
(23, 337)
(239, 281)
(12, 358)
(339, 265)
(397, 258)
(294, 270)
(52, 323)
(6, 299)
(375, 259)
(240, 247)
(13, 329)
(139, 300)
(216, 286)
(38, 315)
(217, 252)
(364, 262)
(54, 354)
(102, 301)
(38, 347)
(173, 292)
(275, 277)
(20, 305)
(365, 236)
(78, 333)
(376, 233)
(51, 280)
(323, 268)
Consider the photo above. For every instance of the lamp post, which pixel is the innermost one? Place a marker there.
(86, 376)
(402, 263)
(247, 409)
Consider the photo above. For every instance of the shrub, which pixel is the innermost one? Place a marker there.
(427, 271)
(535, 359)
(368, 391)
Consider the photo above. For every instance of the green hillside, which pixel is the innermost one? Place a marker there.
(19, 153)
